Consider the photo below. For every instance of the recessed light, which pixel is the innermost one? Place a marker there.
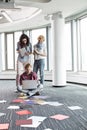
(1, 17)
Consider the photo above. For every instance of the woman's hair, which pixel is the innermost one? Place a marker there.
(24, 36)
(41, 37)
(27, 66)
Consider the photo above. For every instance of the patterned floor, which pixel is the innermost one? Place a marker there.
(63, 108)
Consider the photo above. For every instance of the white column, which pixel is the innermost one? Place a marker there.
(0, 54)
(59, 50)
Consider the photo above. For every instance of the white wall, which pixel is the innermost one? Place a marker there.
(71, 77)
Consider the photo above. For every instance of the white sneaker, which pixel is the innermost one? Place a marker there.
(41, 86)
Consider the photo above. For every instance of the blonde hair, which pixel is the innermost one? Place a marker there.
(41, 37)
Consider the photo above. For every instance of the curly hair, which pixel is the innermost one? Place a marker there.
(24, 36)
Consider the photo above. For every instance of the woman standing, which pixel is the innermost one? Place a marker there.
(39, 58)
(24, 49)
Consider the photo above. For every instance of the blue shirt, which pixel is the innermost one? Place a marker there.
(24, 58)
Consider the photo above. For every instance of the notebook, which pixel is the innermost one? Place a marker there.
(22, 51)
(29, 84)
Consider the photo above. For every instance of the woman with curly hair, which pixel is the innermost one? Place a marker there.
(24, 49)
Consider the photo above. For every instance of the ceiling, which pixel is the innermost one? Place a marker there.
(30, 13)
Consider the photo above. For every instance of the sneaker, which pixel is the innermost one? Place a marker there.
(41, 86)
(37, 93)
(28, 94)
(16, 91)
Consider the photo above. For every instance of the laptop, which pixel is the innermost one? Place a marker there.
(29, 84)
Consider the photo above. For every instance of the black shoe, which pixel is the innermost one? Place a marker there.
(28, 94)
(37, 93)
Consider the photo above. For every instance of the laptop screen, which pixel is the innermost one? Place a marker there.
(29, 84)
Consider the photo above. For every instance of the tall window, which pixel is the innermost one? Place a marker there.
(50, 48)
(83, 32)
(3, 50)
(16, 37)
(68, 46)
(9, 51)
(9, 48)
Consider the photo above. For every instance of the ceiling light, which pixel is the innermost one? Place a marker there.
(35, 13)
(6, 16)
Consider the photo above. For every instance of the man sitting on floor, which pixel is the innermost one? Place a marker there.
(28, 75)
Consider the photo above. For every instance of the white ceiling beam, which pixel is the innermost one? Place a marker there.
(6, 16)
(39, 1)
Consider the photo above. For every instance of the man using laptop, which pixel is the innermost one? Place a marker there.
(28, 75)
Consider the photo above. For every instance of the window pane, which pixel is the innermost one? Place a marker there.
(68, 46)
(26, 32)
(3, 50)
(83, 27)
(10, 52)
(35, 34)
(16, 37)
(50, 45)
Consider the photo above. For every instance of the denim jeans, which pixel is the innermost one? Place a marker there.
(39, 66)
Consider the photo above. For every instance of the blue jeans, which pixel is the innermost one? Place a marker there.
(39, 66)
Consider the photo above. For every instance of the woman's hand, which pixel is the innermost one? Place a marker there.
(18, 51)
(27, 53)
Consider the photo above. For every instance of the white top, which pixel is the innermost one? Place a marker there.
(42, 50)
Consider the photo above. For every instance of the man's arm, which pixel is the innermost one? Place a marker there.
(44, 53)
